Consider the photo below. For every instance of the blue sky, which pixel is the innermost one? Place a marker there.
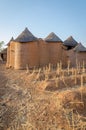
(64, 17)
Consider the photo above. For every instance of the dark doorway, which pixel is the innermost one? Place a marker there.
(2, 56)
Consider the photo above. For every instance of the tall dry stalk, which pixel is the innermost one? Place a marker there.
(38, 75)
(46, 74)
(79, 68)
(82, 87)
(27, 68)
(73, 125)
(60, 64)
(83, 67)
(34, 70)
(49, 69)
(62, 76)
(56, 81)
(58, 68)
(68, 67)
(72, 72)
(67, 119)
(75, 76)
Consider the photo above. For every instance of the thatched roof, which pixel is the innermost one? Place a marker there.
(25, 36)
(10, 41)
(52, 37)
(70, 41)
(80, 48)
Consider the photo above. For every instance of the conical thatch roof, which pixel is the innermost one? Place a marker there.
(70, 41)
(80, 48)
(52, 37)
(25, 36)
(10, 41)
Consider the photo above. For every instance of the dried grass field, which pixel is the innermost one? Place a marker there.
(43, 99)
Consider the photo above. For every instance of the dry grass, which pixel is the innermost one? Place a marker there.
(43, 99)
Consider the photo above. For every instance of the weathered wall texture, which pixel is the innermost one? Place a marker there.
(81, 56)
(76, 57)
(64, 58)
(12, 54)
(43, 53)
(72, 57)
(56, 53)
(26, 54)
(35, 54)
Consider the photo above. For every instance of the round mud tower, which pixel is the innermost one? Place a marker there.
(26, 54)
(20, 55)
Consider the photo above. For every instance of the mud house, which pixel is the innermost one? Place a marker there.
(77, 55)
(56, 49)
(28, 50)
(70, 43)
(80, 51)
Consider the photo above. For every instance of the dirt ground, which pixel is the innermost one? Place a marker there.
(38, 101)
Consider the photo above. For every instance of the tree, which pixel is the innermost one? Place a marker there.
(1, 45)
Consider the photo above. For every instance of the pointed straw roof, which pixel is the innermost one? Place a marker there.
(52, 37)
(70, 41)
(80, 48)
(12, 39)
(25, 36)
